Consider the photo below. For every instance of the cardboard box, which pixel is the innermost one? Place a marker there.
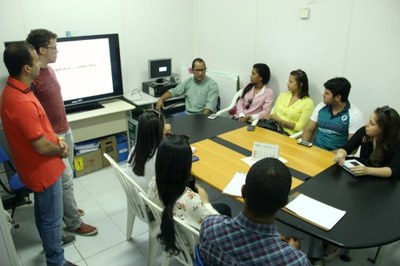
(109, 145)
(122, 147)
(88, 162)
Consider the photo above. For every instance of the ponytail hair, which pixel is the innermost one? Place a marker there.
(167, 228)
(247, 89)
(173, 166)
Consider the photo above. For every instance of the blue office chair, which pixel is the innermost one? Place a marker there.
(16, 187)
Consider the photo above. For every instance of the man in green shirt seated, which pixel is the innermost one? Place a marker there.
(201, 92)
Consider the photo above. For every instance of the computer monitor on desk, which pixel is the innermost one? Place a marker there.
(159, 69)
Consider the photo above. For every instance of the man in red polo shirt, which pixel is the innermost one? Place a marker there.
(37, 151)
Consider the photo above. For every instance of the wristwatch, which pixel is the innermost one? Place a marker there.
(60, 138)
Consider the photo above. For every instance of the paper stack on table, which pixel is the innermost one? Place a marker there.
(314, 211)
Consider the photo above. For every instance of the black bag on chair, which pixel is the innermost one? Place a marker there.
(271, 125)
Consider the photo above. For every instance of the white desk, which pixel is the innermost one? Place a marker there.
(139, 98)
(146, 101)
(101, 122)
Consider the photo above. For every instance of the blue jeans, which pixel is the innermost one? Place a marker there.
(71, 215)
(48, 217)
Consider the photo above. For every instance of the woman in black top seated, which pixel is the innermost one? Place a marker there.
(380, 145)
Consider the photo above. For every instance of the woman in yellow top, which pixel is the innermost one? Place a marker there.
(293, 109)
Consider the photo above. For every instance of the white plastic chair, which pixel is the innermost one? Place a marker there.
(186, 236)
(232, 104)
(136, 207)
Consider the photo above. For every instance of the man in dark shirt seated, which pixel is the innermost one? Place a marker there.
(252, 238)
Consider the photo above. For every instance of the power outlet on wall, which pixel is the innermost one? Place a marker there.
(305, 13)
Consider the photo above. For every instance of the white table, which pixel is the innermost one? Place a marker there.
(111, 119)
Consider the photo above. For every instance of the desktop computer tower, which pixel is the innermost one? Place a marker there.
(156, 90)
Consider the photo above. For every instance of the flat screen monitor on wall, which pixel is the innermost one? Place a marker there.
(159, 69)
(88, 69)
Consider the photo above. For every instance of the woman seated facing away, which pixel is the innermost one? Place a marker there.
(379, 142)
(169, 189)
(256, 100)
(293, 109)
(141, 158)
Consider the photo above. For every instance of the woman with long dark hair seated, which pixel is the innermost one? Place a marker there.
(170, 189)
(141, 158)
(379, 142)
(256, 100)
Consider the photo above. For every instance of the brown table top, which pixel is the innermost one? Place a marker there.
(218, 164)
(308, 160)
(220, 158)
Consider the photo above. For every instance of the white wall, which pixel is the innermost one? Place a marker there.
(358, 39)
(147, 28)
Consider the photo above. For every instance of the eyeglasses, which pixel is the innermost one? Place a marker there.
(153, 111)
(200, 70)
(53, 48)
(247, 106)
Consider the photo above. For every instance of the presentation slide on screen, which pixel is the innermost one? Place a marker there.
(83, 68)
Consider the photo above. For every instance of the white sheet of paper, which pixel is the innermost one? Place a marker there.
(315, 211)
(234, 187)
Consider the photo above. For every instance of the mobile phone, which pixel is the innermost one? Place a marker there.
(351, 163)
(212, 116)
(195, 158)
(251, 128)
(304, 143)
(348, 164)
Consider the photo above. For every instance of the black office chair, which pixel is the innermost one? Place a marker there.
(177, 109)
(15, 187)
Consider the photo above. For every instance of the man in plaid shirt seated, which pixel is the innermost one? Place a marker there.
(251, 238)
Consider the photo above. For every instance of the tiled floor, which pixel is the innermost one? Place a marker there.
(103, 199)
